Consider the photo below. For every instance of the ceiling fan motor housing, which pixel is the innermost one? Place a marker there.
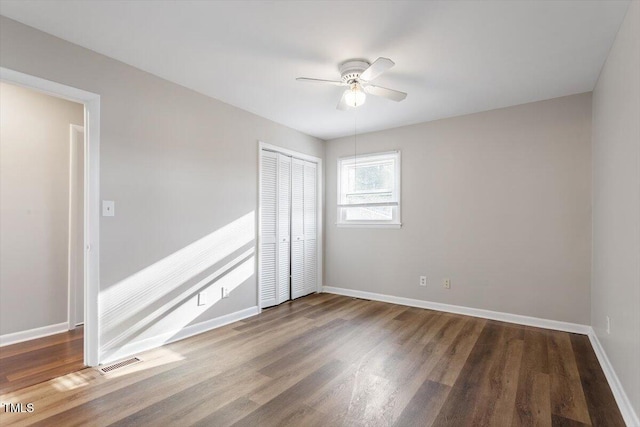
(350, 71)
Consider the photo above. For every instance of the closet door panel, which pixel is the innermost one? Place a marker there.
(310, 228)
(268, 229)
(284, 223)
(297, 228)
(297, 198)
(268, 275)
(310, 207)
(310, 266)
(297, 269)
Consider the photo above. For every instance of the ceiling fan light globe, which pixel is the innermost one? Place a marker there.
(355, 97)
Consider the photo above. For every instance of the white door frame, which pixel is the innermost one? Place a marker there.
(320, 206)
(91, 102)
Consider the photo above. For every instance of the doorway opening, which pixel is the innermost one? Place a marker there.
(70, 216)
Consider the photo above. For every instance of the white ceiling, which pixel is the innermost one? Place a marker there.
(453, 58)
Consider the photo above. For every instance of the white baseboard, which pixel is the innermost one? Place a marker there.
(150, 343)
(208, 325)
(16, 337)
(629, 415)
(467, 311)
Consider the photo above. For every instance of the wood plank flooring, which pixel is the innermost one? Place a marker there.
(32, 362)
(328, 360)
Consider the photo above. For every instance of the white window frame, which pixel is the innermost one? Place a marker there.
(393, 223)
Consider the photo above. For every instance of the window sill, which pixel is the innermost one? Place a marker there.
(343, 225)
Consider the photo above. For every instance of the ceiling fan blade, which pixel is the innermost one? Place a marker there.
(330, 82)
(394, 95)
(378, 67)
(342, 105)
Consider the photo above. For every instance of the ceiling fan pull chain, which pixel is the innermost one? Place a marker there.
(355, 144)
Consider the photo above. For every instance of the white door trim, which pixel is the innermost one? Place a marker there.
(320, 209)
(91, 103)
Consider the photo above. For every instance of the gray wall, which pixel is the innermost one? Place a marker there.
(615, 288)
(34, 207)
(78, 223)
(499, 202)
(179, 166)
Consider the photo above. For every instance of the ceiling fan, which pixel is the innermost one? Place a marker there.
(356, 75)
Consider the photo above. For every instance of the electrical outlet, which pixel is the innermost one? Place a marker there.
(446, 283)
(423, 280)
(608, 325)
(202, 298)
(225, 292)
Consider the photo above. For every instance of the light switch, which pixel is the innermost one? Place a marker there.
(108, 208)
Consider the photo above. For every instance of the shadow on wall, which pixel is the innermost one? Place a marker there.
(157, 302)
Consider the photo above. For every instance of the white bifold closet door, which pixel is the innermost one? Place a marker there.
(288, 227)
(275, 218)
(303, 228)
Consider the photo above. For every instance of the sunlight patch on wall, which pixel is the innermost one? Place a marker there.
(171, 323)
(134, 308)
(168, 319)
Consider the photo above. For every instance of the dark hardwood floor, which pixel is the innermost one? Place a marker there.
(328, 360)
(32, 362)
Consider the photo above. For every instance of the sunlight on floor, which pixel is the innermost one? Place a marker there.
(71, 381)
(151, 359)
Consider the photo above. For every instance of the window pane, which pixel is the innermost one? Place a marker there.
(374, 213)
(367, 181)
(370, 177)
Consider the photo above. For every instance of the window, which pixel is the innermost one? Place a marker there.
(369, 190)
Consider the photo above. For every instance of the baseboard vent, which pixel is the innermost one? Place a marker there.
(104, 370)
